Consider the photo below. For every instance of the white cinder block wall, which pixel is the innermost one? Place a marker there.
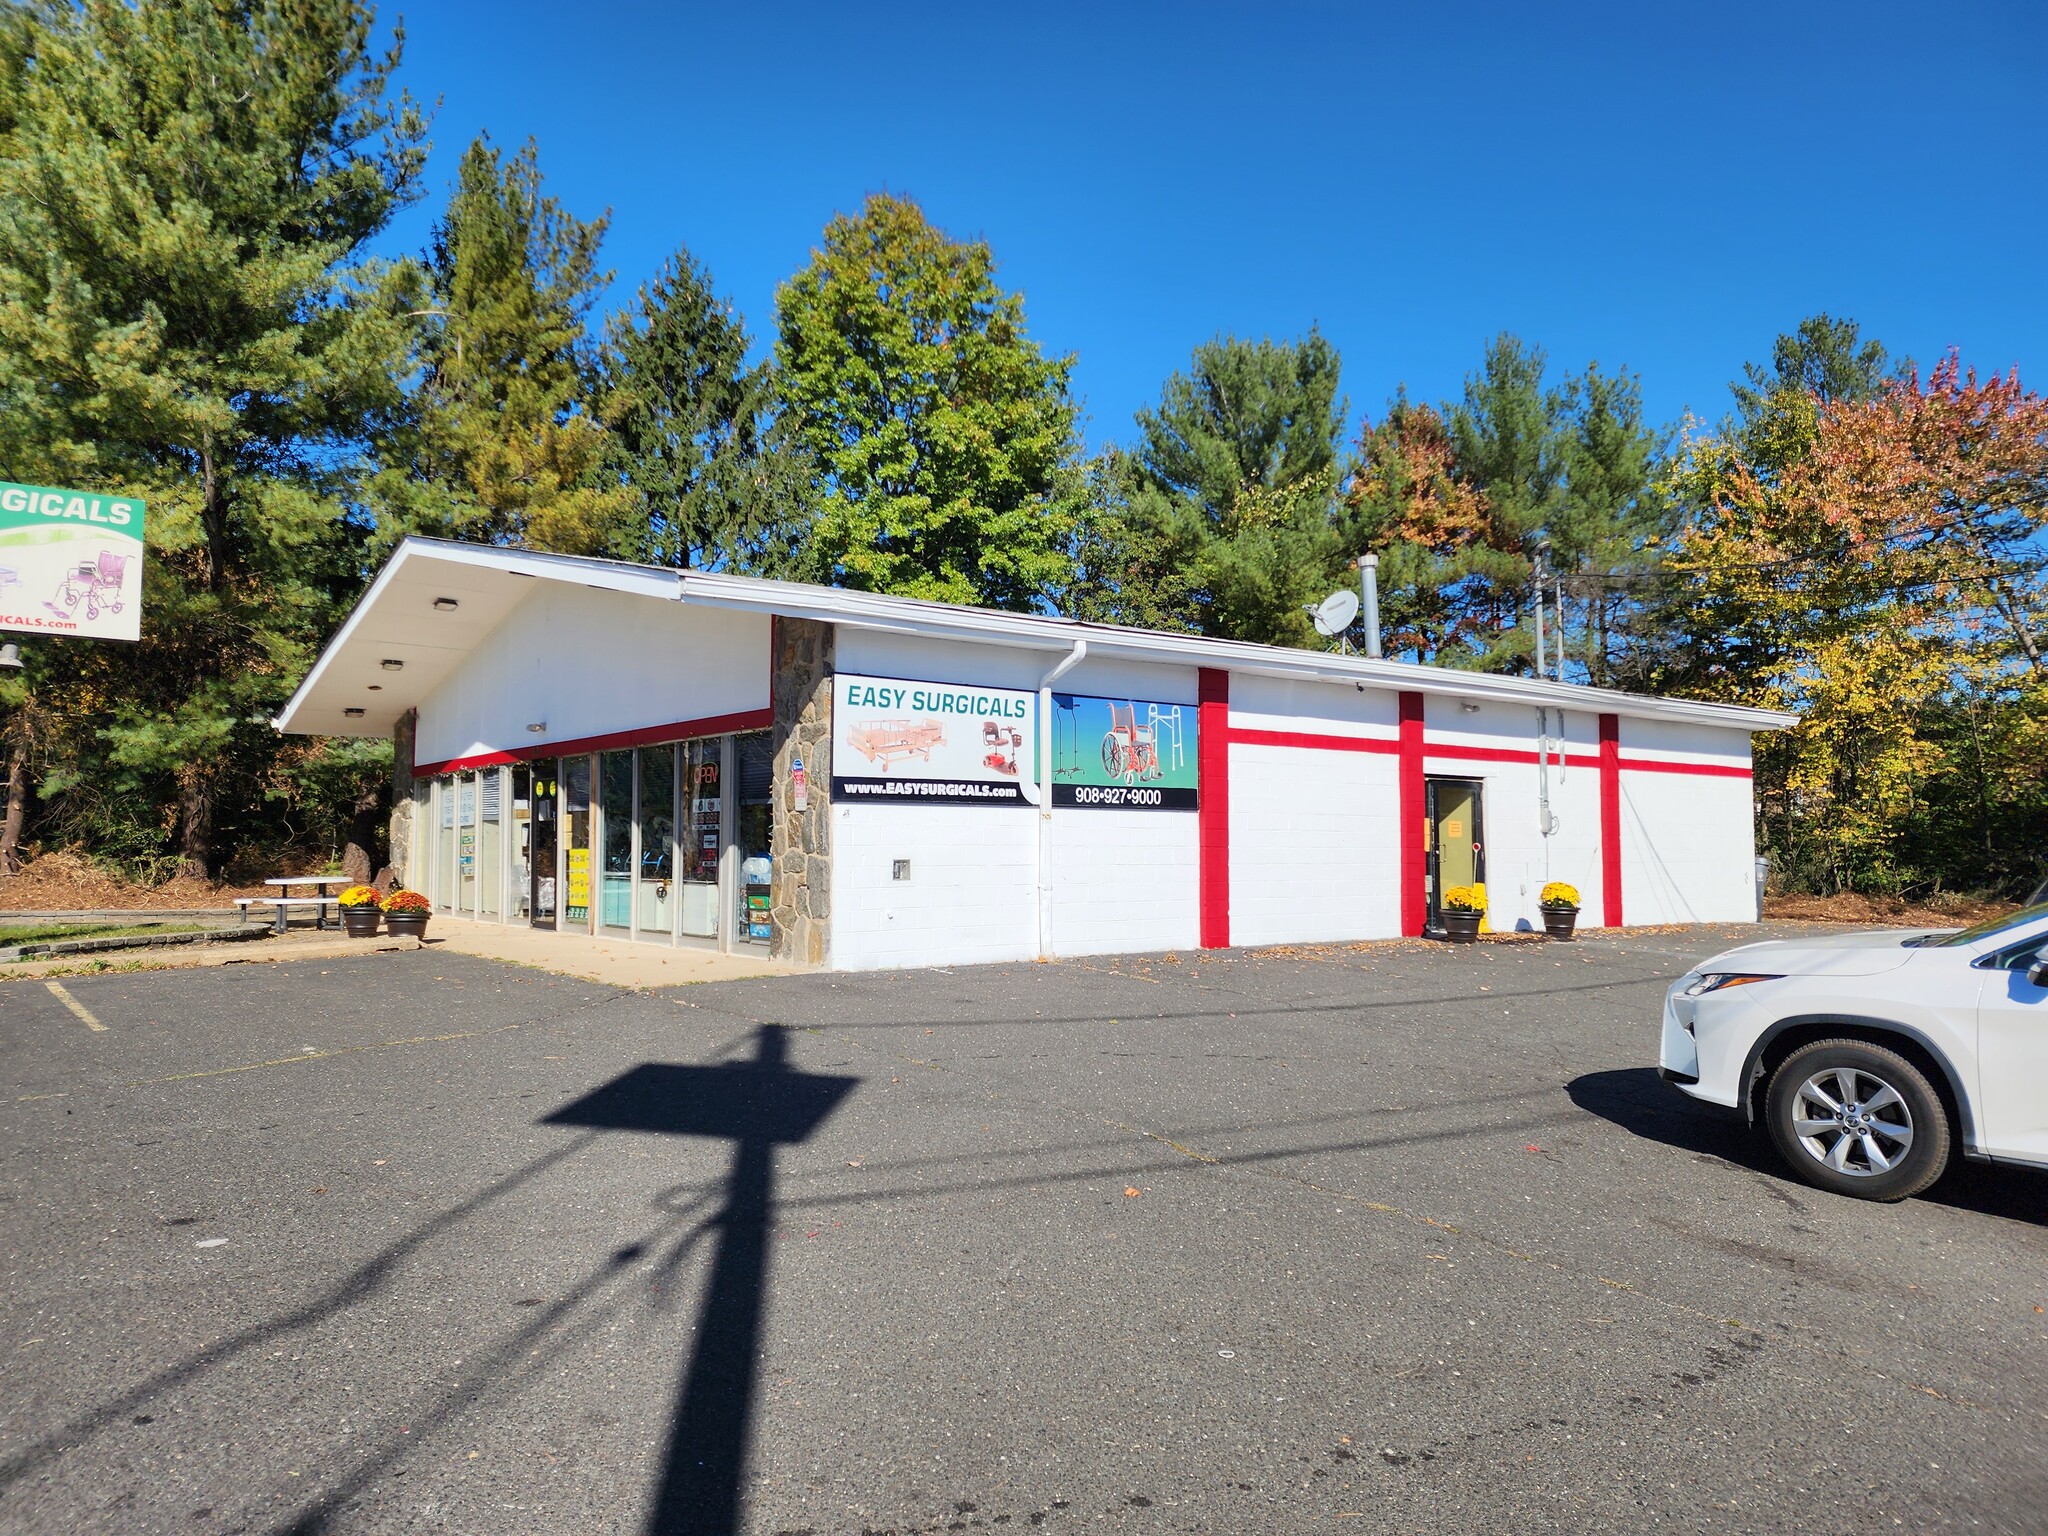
(1314, 832)
(1688, 841)
(1121, 881)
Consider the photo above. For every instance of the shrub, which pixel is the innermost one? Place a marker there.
(1557, 894)
(1464, 898)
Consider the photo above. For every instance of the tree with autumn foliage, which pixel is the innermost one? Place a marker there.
(1874, 560)
(1465, 502)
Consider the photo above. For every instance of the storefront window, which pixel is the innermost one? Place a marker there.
(703, 817)
(756, 755)
(444, 844)
(576, 870)
(465, 842)
(490, 842)
(657, 842)
(616, 771)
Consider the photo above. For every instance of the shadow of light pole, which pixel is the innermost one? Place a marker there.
(758, 1105)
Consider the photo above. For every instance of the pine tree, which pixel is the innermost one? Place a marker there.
(188, 313)
(943, 436)
(693, 436)
(1237, 471)
(506, 447)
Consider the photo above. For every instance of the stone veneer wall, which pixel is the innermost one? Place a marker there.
(404, 798)
(801, 844)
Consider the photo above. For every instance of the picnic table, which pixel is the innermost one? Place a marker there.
(282, 903)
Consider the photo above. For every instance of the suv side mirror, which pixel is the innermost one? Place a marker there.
(2037, 973)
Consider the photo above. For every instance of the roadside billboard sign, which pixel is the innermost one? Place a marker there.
(897, 739)
(1123, 754)
(70, 562)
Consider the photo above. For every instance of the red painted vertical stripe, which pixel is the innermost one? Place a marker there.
(1414, 806)
(1610, 820)
(1212, 777)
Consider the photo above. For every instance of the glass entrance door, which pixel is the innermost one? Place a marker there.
(654, 914)
(541, 827)
(1457, 847)
(576, 871)
(615, 774)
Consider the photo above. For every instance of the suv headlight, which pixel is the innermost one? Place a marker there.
(1715, 981)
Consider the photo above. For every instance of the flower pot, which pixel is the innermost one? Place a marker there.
(1462, 927)
(406, 924)
(360, 922)
(1559, 922)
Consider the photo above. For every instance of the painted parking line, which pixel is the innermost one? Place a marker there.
(57, 991)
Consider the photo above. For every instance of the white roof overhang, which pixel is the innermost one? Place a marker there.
(396, 621)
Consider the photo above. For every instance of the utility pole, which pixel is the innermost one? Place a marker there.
(1542, 558)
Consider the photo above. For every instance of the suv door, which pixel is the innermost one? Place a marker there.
(2012, 1053)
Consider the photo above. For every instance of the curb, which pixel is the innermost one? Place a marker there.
(56, 947)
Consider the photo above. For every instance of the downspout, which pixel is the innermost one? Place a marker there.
(1067, 663)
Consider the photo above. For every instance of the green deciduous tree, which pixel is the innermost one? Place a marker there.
(187, 191)
(943, 436)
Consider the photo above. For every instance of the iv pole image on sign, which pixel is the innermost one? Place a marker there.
(70, 562)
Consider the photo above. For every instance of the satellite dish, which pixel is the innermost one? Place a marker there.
(1334, 614)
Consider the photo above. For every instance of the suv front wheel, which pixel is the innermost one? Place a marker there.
(1857, 1119)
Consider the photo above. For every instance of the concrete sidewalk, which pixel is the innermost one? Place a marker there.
(610, 962)
(614, 962)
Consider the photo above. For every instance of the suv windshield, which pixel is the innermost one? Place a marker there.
(1990, 928)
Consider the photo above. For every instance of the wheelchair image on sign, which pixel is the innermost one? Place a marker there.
(96, 583)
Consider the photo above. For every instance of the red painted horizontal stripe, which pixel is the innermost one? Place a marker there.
(1499, 755)
(617, 741)
(1447, 752)
(1241, 737)
(1711, 770)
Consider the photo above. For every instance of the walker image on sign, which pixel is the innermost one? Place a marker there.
(70, 562)
(897, 739)
(1122, 754)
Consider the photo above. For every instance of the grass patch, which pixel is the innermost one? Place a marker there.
(44, 933)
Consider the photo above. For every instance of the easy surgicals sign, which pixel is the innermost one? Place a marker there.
(70, 562)
(898, 739)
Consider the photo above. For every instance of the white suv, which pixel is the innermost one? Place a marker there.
(1869, 1056)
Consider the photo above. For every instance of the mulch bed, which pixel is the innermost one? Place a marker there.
(64, 882)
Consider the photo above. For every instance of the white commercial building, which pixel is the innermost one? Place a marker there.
(862, 781)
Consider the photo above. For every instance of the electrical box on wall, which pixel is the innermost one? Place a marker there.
(899, 869)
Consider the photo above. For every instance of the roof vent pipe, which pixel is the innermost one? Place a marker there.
(1369, 595)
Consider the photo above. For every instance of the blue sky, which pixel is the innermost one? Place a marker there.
(1654, 185)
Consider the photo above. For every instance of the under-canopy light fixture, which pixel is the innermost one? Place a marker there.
(1469, 707)
(391, 663)
(445, 605)
(539, 727)
(376, 687)
(353, 714)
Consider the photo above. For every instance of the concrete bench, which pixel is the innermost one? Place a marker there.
(282, 906)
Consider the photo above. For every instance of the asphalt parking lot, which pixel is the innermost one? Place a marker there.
(1403, 1238)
